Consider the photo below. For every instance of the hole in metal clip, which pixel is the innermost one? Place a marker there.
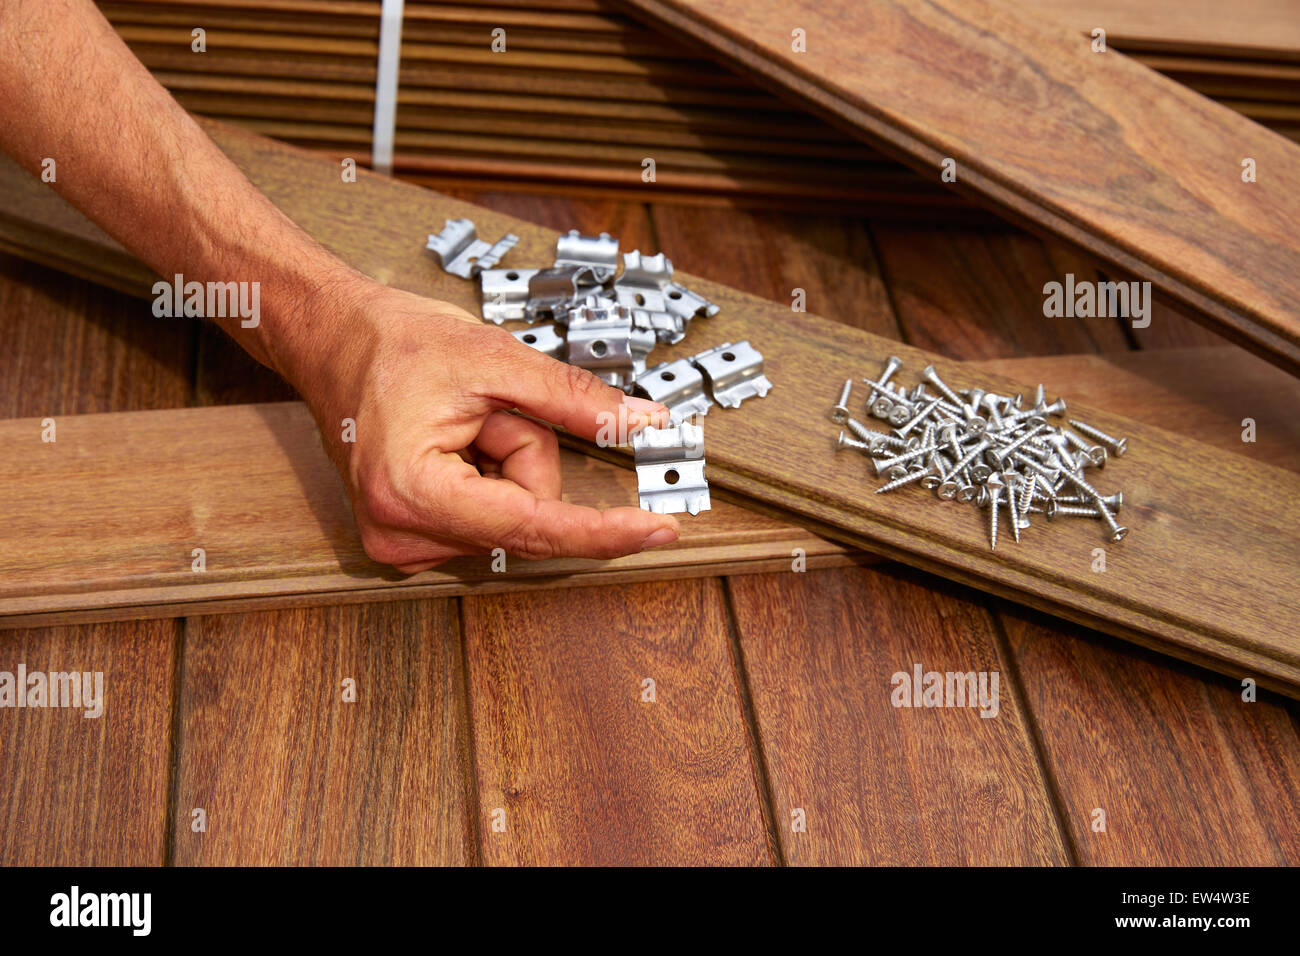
(667, 376)
(728, 357)
(599, 348)
(671, 476)
(512, 276)
(640, 299)
(674, 295)
(530, 338)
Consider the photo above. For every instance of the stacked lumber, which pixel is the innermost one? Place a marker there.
(583, 94)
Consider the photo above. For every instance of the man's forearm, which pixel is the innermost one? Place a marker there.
(134, 162)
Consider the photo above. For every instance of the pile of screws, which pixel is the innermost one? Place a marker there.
(996, 451)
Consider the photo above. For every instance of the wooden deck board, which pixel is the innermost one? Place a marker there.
(288, 773)
(86, 790)
(571, 760)
(1187, 773)
(79, 790)
(879, 784)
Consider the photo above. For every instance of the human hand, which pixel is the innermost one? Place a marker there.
(439, 466)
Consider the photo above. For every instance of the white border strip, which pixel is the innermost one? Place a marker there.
(390, 55)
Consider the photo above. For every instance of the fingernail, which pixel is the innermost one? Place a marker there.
(662, 536)
(653, 411)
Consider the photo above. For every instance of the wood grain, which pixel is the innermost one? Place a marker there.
(138, 492)
(1187, 773)
(993, 279)
(90, 791)
(290, 774)
(883, 785)
(1205, 392)
(1049, 132)
(1191, 520)
(1260, 28)
(585, 771)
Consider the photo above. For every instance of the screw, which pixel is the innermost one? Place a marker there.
(1116, 531)
(844, 441)
(872, 438)
(1006, 450)
(1027, 496)
(891, 366)
(924, 413)
(1011, 479)
(966, 459)
(1075, 511)
(841, 410)
(905, 457)
(1114, 502)
(931, 376)
(906, 479)
(994, 486)
(1117, 446)
(991, 403)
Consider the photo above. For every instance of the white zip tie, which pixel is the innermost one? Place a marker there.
(390, 55)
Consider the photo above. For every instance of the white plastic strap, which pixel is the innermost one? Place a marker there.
(390, 55)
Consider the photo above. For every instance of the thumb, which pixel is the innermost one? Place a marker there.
(571, 397)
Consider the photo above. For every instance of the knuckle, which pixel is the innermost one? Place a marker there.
(578, 381)
(380, 503)
(526, 540)
(383, 548)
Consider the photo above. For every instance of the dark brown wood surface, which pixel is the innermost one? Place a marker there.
(80, 790)
(1068, 146)
(288, 773)
(880, 784)
(574, 759)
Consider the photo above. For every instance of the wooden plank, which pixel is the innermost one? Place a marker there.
(993, 279)
(575, 764)
(252, 486)
(288, 773)
(71, 348)
(775, 255)
(1191, 520)
(1069, 147)
(1256, 28)
(1186, 772)
(90, 791)
(1205, 392)
(882, 785)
